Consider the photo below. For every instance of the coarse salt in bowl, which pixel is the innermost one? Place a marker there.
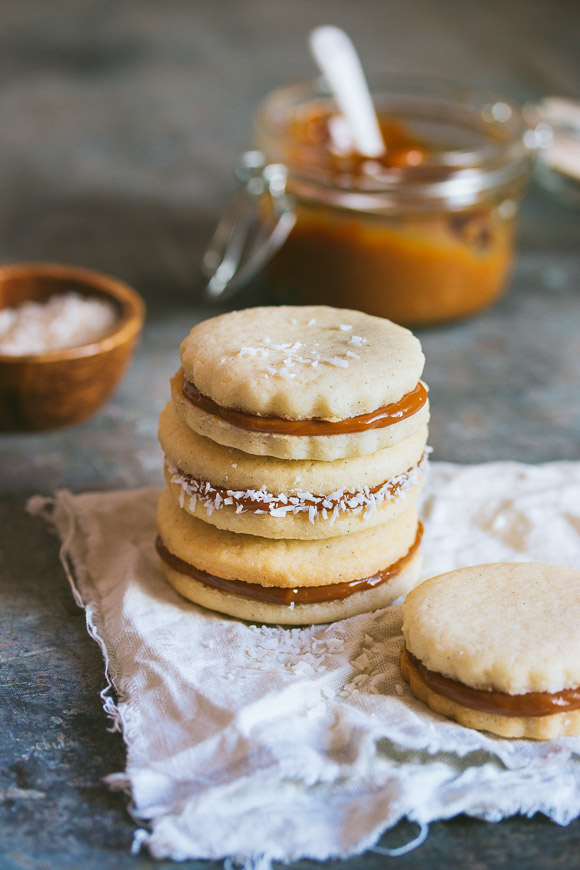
(57, 323)
(66, 338)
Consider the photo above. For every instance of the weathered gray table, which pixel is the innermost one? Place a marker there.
(120, 122)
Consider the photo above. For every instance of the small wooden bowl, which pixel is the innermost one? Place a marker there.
(59, 388)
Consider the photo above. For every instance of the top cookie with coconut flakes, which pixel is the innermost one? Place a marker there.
(297, 365)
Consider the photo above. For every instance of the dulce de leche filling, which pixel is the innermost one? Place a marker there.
(296, 595)
(496, 703)
(379, 419)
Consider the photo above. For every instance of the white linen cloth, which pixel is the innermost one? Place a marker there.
(272, 743)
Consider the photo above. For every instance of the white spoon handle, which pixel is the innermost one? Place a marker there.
(340, 64)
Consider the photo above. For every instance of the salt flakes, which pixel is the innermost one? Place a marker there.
(357, 340)
(62, 321)
(345, 327)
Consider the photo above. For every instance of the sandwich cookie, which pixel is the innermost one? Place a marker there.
(497, 648)
(307, 382)
(278, 498)
(288, 582)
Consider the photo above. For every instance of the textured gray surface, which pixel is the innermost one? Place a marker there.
(120, 124)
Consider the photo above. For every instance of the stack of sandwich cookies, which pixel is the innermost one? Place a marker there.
(497, 648)
(295, 447)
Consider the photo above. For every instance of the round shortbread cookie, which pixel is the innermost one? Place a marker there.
(302, 614)
(271, 497)
(506, 627)
(284, 563)
(303, 362)
(326, 448)
(530, 727)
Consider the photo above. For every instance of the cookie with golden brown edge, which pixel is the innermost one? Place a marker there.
(278, 498)
(287, 581)
(497, 648)
(307, 382)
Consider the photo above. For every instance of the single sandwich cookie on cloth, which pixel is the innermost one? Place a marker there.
(288, 582)
(307, 382)
(497, 648)
(278, 498)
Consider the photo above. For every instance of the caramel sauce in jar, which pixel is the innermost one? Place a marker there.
(422, 235)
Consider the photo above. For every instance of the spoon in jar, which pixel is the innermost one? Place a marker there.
(340, 64)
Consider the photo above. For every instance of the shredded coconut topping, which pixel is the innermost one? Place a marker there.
(253, 351)
(368, 676)
(297, 353)
(295, 651)
(318, 507)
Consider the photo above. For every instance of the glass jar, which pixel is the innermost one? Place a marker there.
(422, 235)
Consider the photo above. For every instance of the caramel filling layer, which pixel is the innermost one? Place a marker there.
(497, 703)
(379, 419)
(297, 595)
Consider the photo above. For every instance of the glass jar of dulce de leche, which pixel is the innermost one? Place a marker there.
(421, 235)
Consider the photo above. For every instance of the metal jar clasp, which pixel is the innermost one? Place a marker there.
(254, 226)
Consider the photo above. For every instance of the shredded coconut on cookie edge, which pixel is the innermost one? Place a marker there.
(325, 507)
